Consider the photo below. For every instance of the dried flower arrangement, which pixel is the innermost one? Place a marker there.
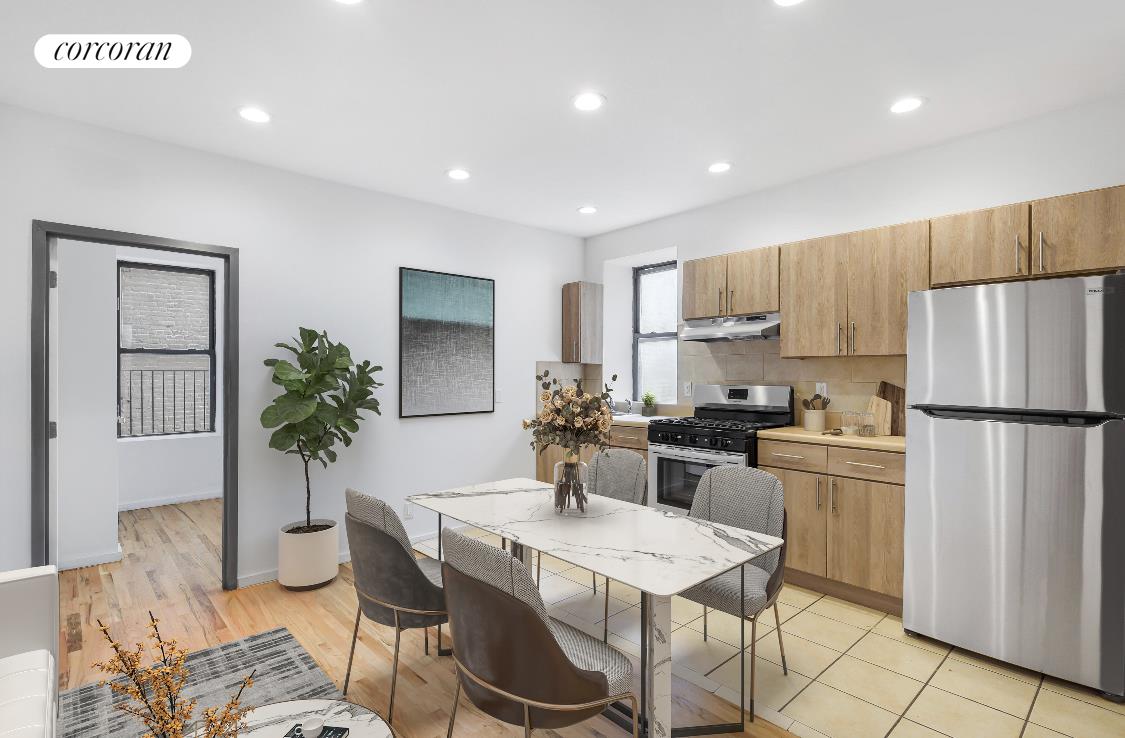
(571, 418)
(154, 691)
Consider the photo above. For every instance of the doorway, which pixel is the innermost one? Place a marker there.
(171, 394)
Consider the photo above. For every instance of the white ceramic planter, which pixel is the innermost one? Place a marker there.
(308, 560)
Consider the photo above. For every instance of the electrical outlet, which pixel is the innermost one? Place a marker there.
(407, 511)
(822, 389)
(687, 389)
(499, 396)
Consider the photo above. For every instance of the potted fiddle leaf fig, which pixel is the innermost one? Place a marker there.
(324, 393)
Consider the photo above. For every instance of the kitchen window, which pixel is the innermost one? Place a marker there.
(165, 350)
(654, 331)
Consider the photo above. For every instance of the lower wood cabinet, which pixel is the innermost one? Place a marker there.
(844, 529)
(865, 522)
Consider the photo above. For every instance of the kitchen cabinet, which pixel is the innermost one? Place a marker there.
(1078, 233)
(846, 511)
(981, 246)
(705, 286)
(814, 297)
(752, 281)
(545, 461)
(865, 529)
(807, 533)
(582, 323)
(742, 283)
(846, 295)
(634, 438)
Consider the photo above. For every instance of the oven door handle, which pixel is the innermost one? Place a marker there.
(680, 454)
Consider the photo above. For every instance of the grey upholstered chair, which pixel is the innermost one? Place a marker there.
(754, 500)
(394, 587)
(515, 662)
(623, 475)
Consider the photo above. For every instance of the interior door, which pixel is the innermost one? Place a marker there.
(752, 281)
(884, 265)
(705, 287)
(865, 543)
(814, 297)
(806, 505)
(981, 246)
(1078, 233)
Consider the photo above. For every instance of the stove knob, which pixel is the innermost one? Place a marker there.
(693, 440)
(662, 437)
(677, 438)
(727, 443)
(715, 441)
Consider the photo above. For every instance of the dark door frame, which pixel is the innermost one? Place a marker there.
(41, 238)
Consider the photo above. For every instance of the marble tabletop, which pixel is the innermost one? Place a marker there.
(655, 551)
(272, 721)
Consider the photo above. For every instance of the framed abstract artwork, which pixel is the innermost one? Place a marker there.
(447, 355)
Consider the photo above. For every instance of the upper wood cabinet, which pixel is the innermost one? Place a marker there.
(1078, 233)
(814, 297)
(743, 283)
(982, 246)
(582, 323)
(705, 286)
(884, 264)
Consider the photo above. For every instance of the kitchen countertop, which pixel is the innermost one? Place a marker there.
(796, 434)
(636, 420)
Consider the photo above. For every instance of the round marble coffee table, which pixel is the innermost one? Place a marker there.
(272, 721)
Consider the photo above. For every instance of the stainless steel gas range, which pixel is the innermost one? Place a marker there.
(722, 431)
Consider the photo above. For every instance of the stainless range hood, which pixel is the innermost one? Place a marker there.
(742, 328)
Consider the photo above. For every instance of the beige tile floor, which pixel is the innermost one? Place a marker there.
(853, 672)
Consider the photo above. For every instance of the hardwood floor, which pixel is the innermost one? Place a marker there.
(170, 566)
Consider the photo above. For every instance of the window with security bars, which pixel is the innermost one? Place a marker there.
(165, 350)
(654, 331)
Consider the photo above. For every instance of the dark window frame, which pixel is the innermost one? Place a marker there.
(639, 337)
(209, 352)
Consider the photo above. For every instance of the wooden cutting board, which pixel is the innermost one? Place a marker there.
(881, 409)
(895, 395)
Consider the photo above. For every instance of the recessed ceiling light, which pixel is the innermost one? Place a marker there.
(349, 2)
(907, 105)
(588, 102)
(788, 3)
(254, 115)
(719, 167)
(587, 210)
(458, 174)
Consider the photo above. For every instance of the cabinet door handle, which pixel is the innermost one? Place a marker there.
(1019, 264)
(818, 493)
(868, 466)
(839, 330)
(1040, 252)
(730, 302)
(574, 350)
(832, 496)
(786, 456)
(852, 349)
(720, 301)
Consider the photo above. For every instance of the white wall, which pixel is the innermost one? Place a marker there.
(1065, 151)
(87, 410)
(312, 253)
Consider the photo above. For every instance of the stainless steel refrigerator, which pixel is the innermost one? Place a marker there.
(1015, 474)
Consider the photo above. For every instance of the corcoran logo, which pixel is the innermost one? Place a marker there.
(112, 51)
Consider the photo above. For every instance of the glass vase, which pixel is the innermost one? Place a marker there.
(570, 486)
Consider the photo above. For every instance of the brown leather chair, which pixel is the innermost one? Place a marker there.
(394, 587)
(515, 662)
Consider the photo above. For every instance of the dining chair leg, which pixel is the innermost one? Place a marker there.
(539, 568)
(780, 643)
(426, 636)
(636, 715)
(394, 670)
(605, 618)
(456, 698)
(753, 661)
(705, 622)
(351, 655)
(526, 721)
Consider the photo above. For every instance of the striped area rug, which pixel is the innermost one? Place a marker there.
(285, 672)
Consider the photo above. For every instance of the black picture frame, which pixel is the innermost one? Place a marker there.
(402, 272)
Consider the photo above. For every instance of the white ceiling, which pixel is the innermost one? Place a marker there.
(389, 94)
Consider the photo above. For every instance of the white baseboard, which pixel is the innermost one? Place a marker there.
(95, 559)
(209, 494)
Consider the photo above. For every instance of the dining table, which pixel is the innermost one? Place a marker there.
(658, 552)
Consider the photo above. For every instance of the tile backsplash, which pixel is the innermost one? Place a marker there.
(852, 380)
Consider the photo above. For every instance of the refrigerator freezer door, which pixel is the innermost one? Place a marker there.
(1015, 543)
(1049, 344)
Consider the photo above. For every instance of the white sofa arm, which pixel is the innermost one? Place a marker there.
(29, 611)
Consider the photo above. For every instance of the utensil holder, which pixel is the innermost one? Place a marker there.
(814, 420)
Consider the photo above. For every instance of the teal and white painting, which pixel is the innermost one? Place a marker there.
(447, 360)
